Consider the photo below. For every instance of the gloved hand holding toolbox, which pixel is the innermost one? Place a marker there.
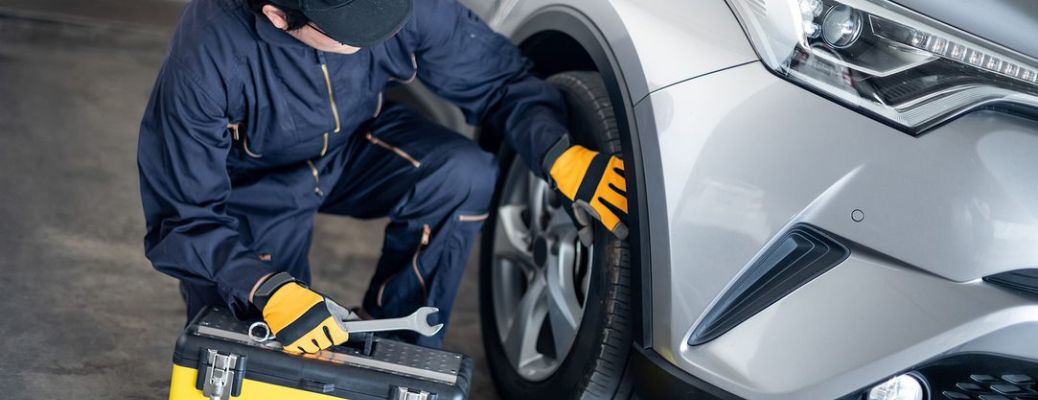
(295, 354)
(300, 317)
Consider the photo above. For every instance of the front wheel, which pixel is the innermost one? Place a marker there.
(556, 314)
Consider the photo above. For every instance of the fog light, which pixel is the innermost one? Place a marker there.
(901, 387)
(841, 26)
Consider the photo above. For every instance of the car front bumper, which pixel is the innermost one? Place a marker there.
(743, 156)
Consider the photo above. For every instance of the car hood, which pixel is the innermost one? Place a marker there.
(1011, 23)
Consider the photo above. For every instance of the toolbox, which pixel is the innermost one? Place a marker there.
(216, 358)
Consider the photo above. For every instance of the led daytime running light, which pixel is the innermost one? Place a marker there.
(952, 50)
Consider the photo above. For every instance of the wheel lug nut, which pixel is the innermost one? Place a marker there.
(553, 199)
(540, 251)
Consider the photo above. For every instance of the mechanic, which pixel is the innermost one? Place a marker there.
(266, 112)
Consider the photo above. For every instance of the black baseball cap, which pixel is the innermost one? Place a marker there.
(358, 23)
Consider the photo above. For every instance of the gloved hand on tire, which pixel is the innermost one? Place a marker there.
(593, 182)
(303, 320)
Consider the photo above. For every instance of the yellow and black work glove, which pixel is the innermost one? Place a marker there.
(303, 320)
(593, 181)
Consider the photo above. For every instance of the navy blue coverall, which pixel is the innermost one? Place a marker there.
(249, 133)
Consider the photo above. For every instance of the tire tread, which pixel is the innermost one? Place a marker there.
(606, 378)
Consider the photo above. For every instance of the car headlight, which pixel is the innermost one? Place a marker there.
(886, 60)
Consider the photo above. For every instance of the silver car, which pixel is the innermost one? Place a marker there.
(831, 199)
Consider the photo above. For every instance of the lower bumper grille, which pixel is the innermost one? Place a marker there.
(973, 376)
(982, 377)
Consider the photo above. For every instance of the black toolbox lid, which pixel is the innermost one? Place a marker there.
(340, 371)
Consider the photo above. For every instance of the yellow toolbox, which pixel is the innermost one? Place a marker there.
(215, 358)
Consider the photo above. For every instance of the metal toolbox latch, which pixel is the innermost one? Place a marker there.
(221, 374)
(403, 393)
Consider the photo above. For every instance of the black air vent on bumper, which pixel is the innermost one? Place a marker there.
(1025, 280)
(802, 254)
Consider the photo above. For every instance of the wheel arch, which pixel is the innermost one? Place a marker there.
(560, 38)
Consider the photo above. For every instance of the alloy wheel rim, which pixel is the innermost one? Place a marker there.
(540, 276)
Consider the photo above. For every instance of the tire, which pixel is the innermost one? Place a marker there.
(595, 367)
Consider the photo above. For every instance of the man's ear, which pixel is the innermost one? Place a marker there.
(276, 16)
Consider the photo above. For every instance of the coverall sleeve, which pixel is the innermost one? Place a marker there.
(461, 59)
(182, 157)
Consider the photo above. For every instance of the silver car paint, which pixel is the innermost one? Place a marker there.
(746, 155)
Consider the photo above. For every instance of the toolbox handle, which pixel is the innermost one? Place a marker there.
(317, 386)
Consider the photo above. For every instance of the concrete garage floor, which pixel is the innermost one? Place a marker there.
(84, 314)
